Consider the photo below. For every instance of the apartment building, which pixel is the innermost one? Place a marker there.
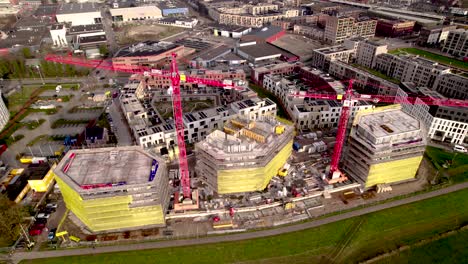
(381, 142)
(337, 28)
(367, 52)
(245, 156)
(122, 188)
(249, 15)
(317, 114)
(4, 113)
(363, 80)
(456, 43)
(410, 68)
(452, 86)
(433, 35)
(285, 68)
(322, 57)
(442, 123)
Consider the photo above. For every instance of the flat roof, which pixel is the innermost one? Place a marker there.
(46, 10)
(388, 123)
(146, 48)
(233, 28)
(131, 165)
(85, 28)
(265, 32)
(92, 39)
(75, 8)
(261, 50)
(212, 54)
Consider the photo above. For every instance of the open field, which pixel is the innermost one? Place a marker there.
(19, 98)
(450, 250)
(452, 164)
(130, 34)
(346, 241)
(432, 56)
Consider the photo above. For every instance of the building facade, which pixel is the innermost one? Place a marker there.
(245, 156)
(79, 13)
(457, 43)
(122, 188)
(367, 52)
(4, 113)
(381, 142)
(394, 28)
(134, 13)
(337, 29)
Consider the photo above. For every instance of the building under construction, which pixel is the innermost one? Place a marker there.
(385, 146)
(114, 188)
(245, 156)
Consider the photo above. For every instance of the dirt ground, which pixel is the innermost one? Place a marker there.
(128, 34)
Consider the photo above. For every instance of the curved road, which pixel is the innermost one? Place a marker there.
(241, 236)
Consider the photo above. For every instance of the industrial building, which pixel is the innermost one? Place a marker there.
(394, 28)
(149, 53)
(110, 189)
(385, 146)
(128, 12)
(79, 13)
(245, 156)
(171, 9)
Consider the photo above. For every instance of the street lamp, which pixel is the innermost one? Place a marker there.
(40, 74)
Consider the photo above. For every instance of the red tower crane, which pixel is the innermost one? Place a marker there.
(176, 78)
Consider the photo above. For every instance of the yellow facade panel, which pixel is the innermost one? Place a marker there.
(252, 179)
(111, 212)
(393, 171)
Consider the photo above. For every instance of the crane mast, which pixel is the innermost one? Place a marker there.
(179, 127)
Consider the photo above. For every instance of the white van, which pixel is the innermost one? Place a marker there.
(459, 148)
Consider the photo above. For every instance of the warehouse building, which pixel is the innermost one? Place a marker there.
(79, 13)
(385, 146)
(128, 12)
(245, 156)
(149, 53)
(114, 188)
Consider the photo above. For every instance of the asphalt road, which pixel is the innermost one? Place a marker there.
(241, 236)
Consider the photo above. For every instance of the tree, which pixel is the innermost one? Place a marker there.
(103, 50)
(27, 53)
(11, 216)
(69, 70)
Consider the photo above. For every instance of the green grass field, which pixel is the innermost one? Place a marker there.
(432, 56)
(449, 250)
(456, 163)
(347, 241)
(18, 99)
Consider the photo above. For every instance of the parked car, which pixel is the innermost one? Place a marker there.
(51, 234)
(35, 231)
(41, 221)
(47, 211)
(43, 215)
(38, 225)
(51, 205)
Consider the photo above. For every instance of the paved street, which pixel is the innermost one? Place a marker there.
(121, 128)
(241, 236)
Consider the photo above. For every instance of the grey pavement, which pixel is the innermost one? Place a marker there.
(240, 236)
(121, 129)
